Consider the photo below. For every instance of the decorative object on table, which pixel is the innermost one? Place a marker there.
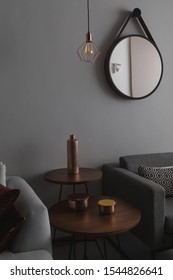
(78, 201)
(133, 63)
(88, 52)
(107, 206)
(72, 155)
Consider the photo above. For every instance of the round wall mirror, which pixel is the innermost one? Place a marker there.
(134, 67)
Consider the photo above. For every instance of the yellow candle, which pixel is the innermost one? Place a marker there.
(106, 202)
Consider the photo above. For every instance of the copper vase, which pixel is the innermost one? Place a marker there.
(72, 155)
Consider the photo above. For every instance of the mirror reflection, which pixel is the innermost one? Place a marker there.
(135, 66)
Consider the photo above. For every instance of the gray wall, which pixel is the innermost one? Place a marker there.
(48, 94)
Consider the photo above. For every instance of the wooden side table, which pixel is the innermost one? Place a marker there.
(61, 176)
(91, 223)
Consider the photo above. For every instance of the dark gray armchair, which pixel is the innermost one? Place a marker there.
(156, 226)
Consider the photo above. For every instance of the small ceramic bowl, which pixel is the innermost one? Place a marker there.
(107, 206)
(78, 201)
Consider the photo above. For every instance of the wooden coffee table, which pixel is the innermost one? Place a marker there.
(91, 223)
(61, 176)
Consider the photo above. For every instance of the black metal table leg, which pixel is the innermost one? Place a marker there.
(85, 249)
(74, 190)
(118, 246)
(98, 247)
(104, 246)
(72, 248)
(60, 192)
(86, 188)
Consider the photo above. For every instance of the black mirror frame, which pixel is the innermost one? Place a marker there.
(107, 63)
(136, 13)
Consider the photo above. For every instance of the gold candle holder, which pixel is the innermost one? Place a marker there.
(106, 206)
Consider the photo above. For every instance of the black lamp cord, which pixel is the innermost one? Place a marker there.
(88, 16)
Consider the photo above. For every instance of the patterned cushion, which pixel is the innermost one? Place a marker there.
(160, 175)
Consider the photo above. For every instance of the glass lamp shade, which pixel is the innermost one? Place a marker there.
(88, 52)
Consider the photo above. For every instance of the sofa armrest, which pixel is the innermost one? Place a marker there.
(35, 232)
(147, 195)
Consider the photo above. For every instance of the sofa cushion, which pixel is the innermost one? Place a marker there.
(2, 174)
(169, 215)
(7, 198)
(10, 223)
(10, 219)
(37, 223)
(160, 175)
(132, 162)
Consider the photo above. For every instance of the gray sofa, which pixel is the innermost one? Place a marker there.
(156, 226)
(33, 241)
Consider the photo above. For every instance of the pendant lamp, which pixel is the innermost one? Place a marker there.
(88, 52)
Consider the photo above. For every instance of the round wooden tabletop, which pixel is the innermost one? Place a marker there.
(90, 222)
(85, 175)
